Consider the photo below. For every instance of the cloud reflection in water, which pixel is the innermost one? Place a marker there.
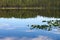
(13, 23)
(26, 38)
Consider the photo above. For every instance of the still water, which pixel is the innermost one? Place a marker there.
(26, 25)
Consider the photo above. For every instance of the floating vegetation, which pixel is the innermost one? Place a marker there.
(51, 24)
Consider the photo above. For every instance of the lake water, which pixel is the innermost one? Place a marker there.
(26, 25)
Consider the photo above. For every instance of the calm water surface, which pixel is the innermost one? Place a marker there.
(17, 26)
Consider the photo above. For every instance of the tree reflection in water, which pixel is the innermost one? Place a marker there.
(49, 26)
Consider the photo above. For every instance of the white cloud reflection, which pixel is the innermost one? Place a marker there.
(42, 38)
(30, 30)
(5, 26)
(25, 38)
(56, 31)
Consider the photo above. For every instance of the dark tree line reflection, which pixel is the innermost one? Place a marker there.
(30, 3)
(29, 13)
(49, 26)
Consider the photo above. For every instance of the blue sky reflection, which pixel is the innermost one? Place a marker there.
(17, 29)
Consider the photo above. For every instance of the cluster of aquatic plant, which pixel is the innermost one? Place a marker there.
(49, 26)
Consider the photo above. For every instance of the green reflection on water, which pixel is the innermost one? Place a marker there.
(29, 13)
(30, 3)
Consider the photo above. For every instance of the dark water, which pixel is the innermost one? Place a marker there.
(29, 24)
